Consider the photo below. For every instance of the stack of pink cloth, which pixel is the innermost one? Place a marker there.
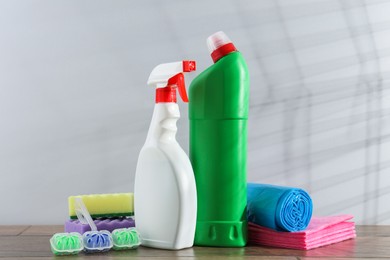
(321, 231)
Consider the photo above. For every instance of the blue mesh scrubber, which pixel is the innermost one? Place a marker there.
(97, 241)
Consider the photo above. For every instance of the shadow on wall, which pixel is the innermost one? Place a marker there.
(318, 103)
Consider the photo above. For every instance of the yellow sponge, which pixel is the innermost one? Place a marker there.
(104, 205)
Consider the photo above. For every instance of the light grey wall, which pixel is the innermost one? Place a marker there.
(75, 109)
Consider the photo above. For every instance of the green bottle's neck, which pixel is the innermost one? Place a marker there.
(221, 91)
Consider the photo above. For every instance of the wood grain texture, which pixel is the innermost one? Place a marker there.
(32, 242)
(42, 230)
(12, 230)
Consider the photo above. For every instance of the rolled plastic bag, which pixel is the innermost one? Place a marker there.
(279, 208)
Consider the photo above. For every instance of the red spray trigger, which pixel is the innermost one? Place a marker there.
(178, 80)
(161, 73)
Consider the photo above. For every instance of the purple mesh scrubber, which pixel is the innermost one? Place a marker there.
(102, 224)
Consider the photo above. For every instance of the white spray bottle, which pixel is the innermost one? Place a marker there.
(164, 192)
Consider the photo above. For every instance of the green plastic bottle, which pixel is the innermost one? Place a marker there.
(218, 113)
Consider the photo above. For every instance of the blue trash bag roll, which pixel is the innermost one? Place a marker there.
(279, 208)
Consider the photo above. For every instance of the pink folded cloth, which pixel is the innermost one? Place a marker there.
(321, 231)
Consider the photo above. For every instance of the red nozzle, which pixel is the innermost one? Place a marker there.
(189, 65)
(168, 94)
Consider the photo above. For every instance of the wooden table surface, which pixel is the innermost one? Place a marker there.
(32, 242)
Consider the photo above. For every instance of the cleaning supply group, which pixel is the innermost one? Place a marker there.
(203, 199)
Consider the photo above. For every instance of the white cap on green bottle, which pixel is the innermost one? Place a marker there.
(219, 45)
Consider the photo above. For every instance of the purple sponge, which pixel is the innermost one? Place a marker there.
(109, 224)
